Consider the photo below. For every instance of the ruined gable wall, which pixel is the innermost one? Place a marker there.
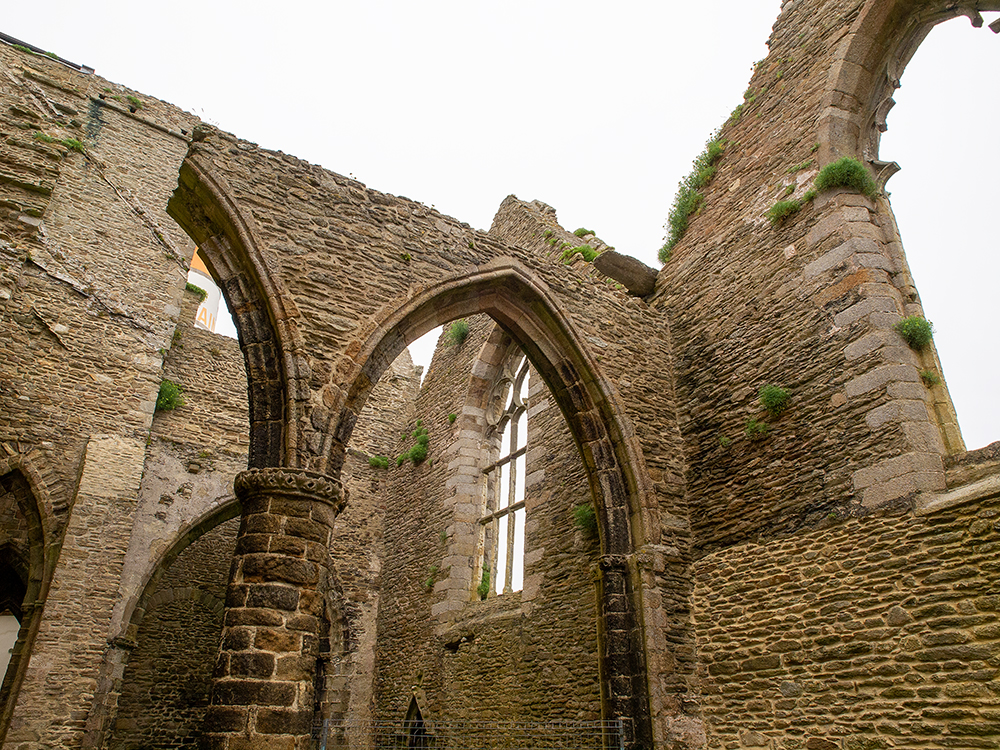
(807, 305)
(349, 256)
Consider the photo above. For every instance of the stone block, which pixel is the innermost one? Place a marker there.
(277, 641)
(633, 274)
(284, 598)
(254, 693)
(865, 307)
(283, 721)
(256, 664)
(879, 377)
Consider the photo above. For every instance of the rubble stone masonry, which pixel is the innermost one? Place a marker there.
(827, 583)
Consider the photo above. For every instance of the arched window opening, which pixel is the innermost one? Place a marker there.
(12, 593)
(9, 627)
(504, 515)
(942, 200)
(213, 314)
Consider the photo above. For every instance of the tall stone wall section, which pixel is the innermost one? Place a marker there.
(93, 272)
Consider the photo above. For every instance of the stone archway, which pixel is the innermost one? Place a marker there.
(116, 662)
(262, 310)
(524, 309)
(867, 70)
(21, 480)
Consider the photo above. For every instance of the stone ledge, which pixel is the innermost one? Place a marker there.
(632, 273)
(927, 503)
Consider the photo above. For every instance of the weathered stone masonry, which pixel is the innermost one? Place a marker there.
(831, 586)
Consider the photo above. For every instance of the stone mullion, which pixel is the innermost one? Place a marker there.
(263, 692)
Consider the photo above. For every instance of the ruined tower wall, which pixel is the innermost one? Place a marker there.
(835, 604)
(807, 305)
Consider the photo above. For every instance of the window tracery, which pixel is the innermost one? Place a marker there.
(503, 516)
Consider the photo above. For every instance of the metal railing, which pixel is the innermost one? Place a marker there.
(473, 735)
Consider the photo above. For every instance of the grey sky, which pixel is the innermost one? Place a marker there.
(593, 107)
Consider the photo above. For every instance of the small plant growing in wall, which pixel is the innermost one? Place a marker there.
(582, 232)
(170, 396)
(378, 462)
(585, 519)
(195, 289)
(457, 333)
(418, 451)
(483, 589)
(431, 579)
(930, 378)
(849, 173)
(452, 417)
(689, 198)
(570, 253)
(755, 430)
(781, 210)
(775, 399)
(916, 331)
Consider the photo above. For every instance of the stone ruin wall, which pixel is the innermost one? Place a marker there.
(871, 633)
(90, 299)
(820, 515)
(828, 613)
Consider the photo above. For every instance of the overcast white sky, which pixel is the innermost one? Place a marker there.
(593, 107)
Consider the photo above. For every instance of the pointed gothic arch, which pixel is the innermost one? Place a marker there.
(526, 311)
(262, 310)
(867, 71)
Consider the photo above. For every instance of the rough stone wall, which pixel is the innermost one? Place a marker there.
(873, 632)
(168, 678)
(533, 656)
(89, 297)
(84, 290)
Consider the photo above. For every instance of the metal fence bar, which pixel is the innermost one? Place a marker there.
(471, 735)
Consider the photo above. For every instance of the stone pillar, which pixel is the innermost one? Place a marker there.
(262, 696)
(622, 670)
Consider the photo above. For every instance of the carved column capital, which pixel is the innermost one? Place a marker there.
(308, 485)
